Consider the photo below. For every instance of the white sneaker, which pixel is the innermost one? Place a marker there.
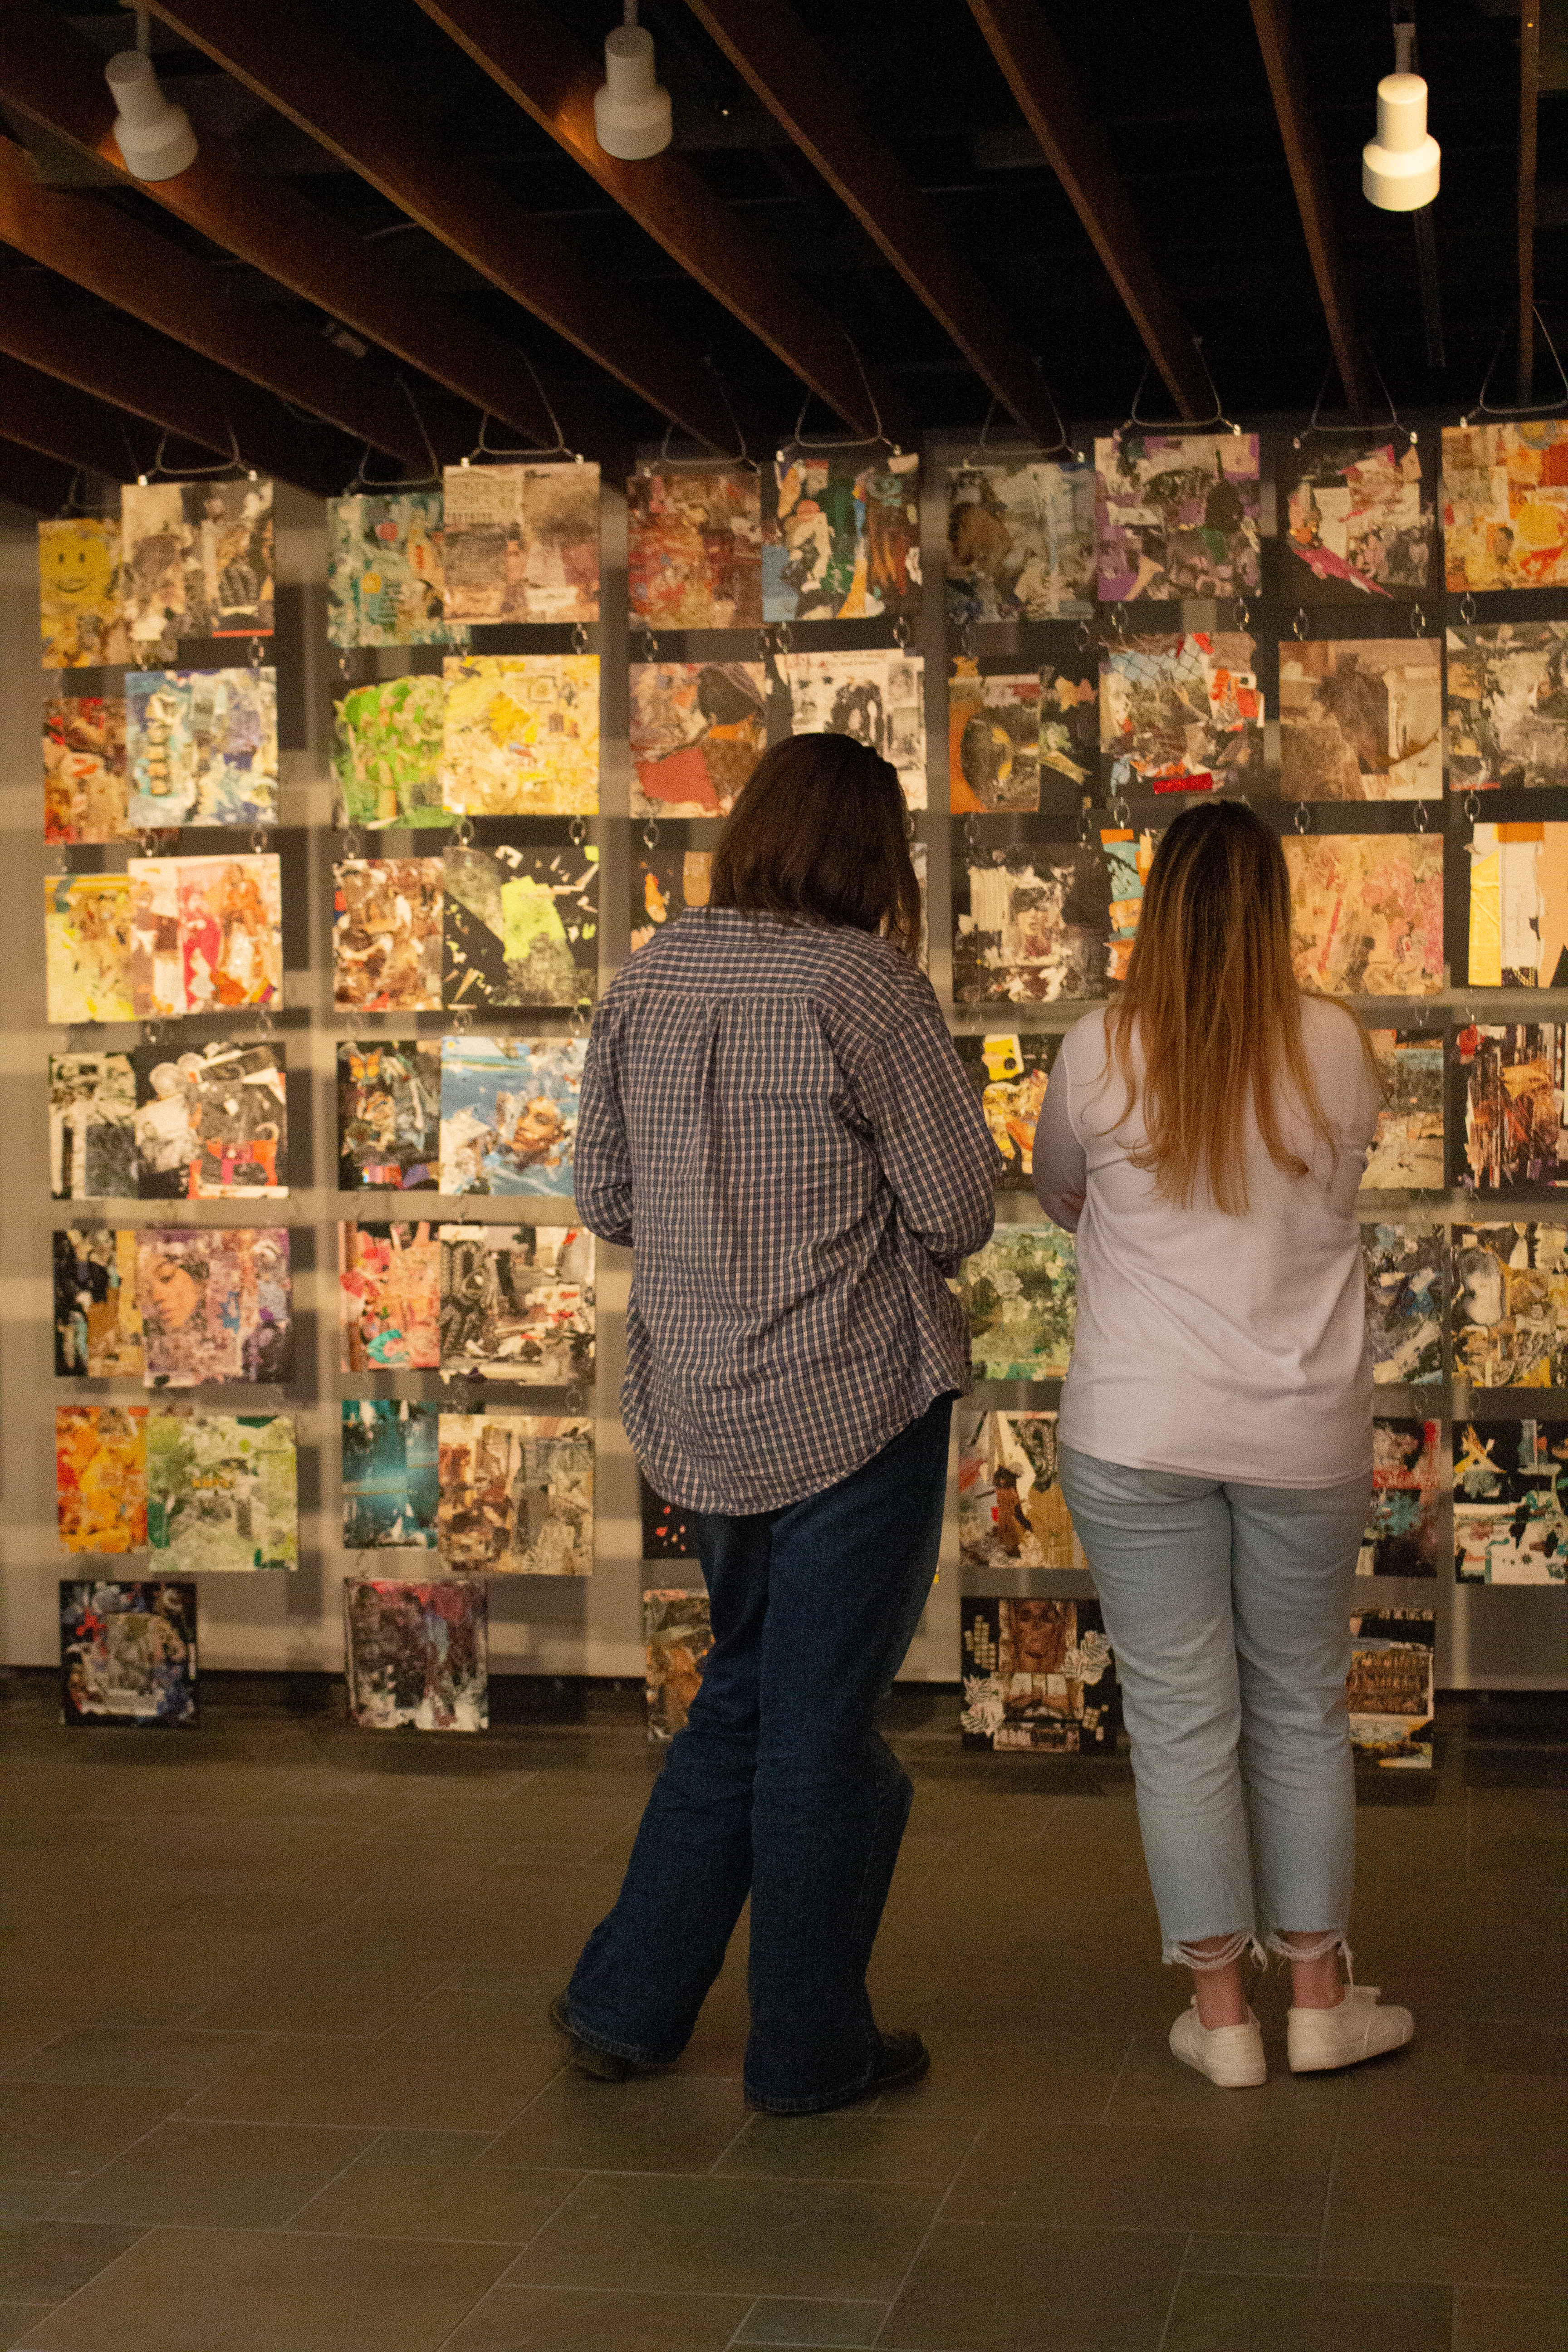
(1230, 2056)
(1357, 2028)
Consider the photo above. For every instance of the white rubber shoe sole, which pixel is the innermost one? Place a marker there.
(1230, 2056)
(1318, 2039)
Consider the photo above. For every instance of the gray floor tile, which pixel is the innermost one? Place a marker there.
(1260, 2178)
(1509, 2319)
(437, 2197)
(1415, 2219)
(1021, 2289)
(901, 2138)
(1290, 2315)
(452, 2083)
(207, 2175)
(1248, 2255)
(666, 2124)
(1154, 2088)
(795, 2320)
(578, 2319)
(46, 2260)
(53, 2131)
(141, 2058)
(17, 2321)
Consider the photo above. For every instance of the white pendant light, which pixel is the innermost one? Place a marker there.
(631, 111)
(1400, 168)
(155, 136)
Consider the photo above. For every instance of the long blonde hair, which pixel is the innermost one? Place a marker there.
(1212, 993)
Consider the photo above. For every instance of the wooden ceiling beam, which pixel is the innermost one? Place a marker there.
(1037, 72)
(530, 55)
(1271, 21)
(42, 484)
(57, 421)
(288, 53)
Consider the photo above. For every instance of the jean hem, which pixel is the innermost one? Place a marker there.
(811, 2106)
(611, 2049)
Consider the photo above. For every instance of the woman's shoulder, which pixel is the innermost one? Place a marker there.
(1331, 1032)
(1085, 1046)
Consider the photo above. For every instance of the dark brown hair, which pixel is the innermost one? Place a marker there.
(818, 835)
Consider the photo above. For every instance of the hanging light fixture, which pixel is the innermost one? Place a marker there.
(153, 135)
(1401, 167)
(631, 111)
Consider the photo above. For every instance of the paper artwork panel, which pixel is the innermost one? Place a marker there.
(1360, 718)
(517, 1495)
(1505, 505)
(211, 1124)
(1518, 906)
(664, 884)
(1358, 524)
(85, 786)
(101, 1476)
(1069, 729)
(694, 557)
(1019, 1292)
(389, 1115)
(97, 1327)
(1039, 1675)
(1405, 1303)
(1508, 706)
(200, 747)
(386, 934)
(665, 1526)
(1008, 1073)
(519, 735)
(386, 753)
(1510, 1502)
(79, 614)
(517, 1303)
(418, 1655)
(1031, 924)
(1514, 1138)
(385, 578)
(1177, 515)
(677, 1638)
(389, 1291)
(1182, 713)
(1366, 913)
(1404, 1526)
(509, 1113)
(843, 542)
(876, 699)
(698, 731)
(993, 740)
(390, 1475)
(522, 542)
(128, 1653)
(198, 560)
(223, 1491)
(87, 948)
(521, 926)
(1012, 1512)
(1408, 1152)
(206, 934)
(1389, 1690)
(1020, 543)
(215, 1304)
(1511, 1306)
(92, 1110)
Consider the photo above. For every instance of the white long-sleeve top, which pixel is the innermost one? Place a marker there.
(1225, 1347)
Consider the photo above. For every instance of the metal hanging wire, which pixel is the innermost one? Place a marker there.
(740, 457)
(233, 464)
(879, 439)
(557, 448)
(1484, 407)
(1327, 431)
(1029, 449)
(1179, 424)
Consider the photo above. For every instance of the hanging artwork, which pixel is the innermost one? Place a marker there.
(1031, 924)
(1182, 713)
(92, 1106)
(1518, 906)
(417, 1655)
(1404, 1526)
(197, 560)
(1510, 1502)
(1020, 543)
(390, 1475)
(1012, 1512)
(875, 698)
(84, 768)
(206, 934)
(101, 1476)
(666, 1527)
(1389, 1690)
(223, 1491)
(389, 1115)
(698, 731)
(212, 1124)
(1408, 1151)
(521, 926)
(128, 1653)
(843, 542)
(517, 1495)
(389, 1294)
(97, 1328)
(694, 551)
(87, 948)
(1511, 1306)
(384, 579)
(1366, 913)
(1008, 1073)
(1405, 1303)
(517, 1303)
(79, 612)
(200, 747)
(522, 542)
(1508, 706)
(1360, 718)
(1514, 1135)
(215, 1304)
(664, 883)
(677, 1638)
(993, 740)
(1357, 524)
(386, 934)
(1039, 1675)
(1505, 505)
(386, 753)
(509, 1113)
(1019, 1292)
(520, 735)
(1177, 515)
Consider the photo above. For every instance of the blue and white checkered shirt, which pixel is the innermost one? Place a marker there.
(774, 1119)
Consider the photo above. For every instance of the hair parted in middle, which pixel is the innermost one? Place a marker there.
(819, 836)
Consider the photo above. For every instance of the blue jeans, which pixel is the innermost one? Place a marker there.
(780, 1787)
(1227, 1607)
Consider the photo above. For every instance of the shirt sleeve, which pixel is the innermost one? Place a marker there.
(600, 1157)
(928, 1131)
(1061, 1169)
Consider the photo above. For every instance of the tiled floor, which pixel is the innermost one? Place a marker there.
(274, 2074)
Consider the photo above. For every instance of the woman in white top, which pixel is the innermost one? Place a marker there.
(1205, 1136)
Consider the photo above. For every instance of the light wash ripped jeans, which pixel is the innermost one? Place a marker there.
(1227, 1607)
